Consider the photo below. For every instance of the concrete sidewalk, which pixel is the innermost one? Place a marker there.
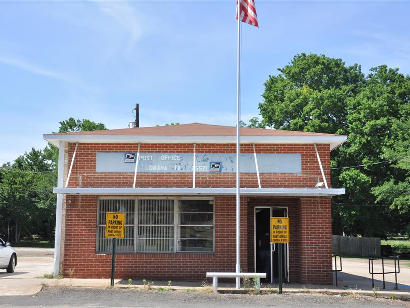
(354, 280)
(355, 275)
(33, 263)
(187, 286)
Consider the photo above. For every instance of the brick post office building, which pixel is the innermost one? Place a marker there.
(176, 185)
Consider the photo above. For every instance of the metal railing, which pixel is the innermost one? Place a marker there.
(396, 270)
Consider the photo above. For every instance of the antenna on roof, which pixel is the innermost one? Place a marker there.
(136, 123)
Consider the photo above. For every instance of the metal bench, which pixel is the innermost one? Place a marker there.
(215, 277)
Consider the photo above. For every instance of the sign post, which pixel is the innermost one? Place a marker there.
(114, 228)
(279, 234)
(113, 261)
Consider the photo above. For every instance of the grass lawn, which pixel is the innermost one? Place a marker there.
(397, 243)
(401, 247)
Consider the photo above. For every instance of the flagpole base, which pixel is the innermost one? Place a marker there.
(238, 279)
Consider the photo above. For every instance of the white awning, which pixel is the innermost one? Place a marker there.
(167, 191)
(333, 141)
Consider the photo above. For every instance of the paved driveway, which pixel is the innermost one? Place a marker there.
(32, 264)
(356, 275)
(69, 297)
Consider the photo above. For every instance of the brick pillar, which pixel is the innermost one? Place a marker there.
(315, 240)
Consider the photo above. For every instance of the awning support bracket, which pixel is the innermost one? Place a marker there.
(320, 165)
(256, 166)
(136, 166)
(71, 165)
(194, 167)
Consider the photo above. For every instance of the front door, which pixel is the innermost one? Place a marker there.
(266, 254)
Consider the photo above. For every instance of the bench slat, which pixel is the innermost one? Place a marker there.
(234, 275)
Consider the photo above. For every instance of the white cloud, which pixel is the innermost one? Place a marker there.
(34, 69)
(48, 73)
(125, 15)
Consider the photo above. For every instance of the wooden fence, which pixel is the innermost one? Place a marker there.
(349, 246)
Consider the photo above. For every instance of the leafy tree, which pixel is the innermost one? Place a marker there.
(255, 123)
(321, 94)
(72, 125)
(27, 201)
(35, 161)
(396, 189)
(310, 94)
(26, 198)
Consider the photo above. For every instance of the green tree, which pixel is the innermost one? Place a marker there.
(310, 94)
(72, 125)
(27, 201)
(26, 198)
(396, 189)
(320, 94)
(255, 122)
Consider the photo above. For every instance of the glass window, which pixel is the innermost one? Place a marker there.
(195, 225)
(153, 225)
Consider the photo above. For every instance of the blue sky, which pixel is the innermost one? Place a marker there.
(176, 59)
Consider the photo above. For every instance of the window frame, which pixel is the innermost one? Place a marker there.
(175, 225)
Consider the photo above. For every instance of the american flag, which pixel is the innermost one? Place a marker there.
(247, 12)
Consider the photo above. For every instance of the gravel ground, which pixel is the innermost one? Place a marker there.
(69, 297)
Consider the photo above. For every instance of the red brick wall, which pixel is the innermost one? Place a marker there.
(309, 251)
(310, 247)
(80, 247)
(315, 240)
(84, 170)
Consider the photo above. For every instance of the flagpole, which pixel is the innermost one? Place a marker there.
(238, 150)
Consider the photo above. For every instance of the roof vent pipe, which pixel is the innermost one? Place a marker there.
(135, 123)
(137, 115)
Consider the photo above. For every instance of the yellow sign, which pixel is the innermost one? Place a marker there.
(114, 225)
(279, 230)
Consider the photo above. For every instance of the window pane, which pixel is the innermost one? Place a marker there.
(196, 218)
(156, 217)
(195, 225)
(195, 206)
(156, 232)
(103, 244)
(196, 232)
(155, 225)
(195, 245)
(126, 244)
(155, 245)
(156, 212)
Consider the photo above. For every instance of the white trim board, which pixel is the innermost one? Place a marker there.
(290, 192)
(334, 141)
